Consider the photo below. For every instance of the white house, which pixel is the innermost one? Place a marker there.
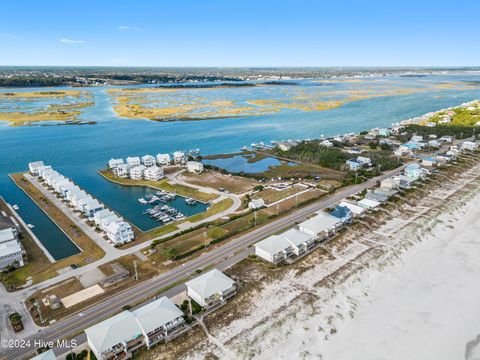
(468, 145)
(8, 235)
(120, 232)
(417, 138)
(447, 139)
(34, 167)
(368, 204)
(43, 169)
(353, 164)
(77, 197)
(320, 226)
(116, 337)
(326, 143)
(153, 173)
(274, 249)
(136, 173)
(159, 320)
(256, 204)
(122, 171)
(355, 209)
(364, 161)
(389, 184)
(404, 182)
(194, 167)
(163, 159)
(415, 171)
(148, 160)
(211, 289)
(113, 163)
(10, 254)
(66, 188)
(91, 207)
(179, 157)
(99, 215)
(106, 221)
(133, 161)
(300, 241)
(82, 202)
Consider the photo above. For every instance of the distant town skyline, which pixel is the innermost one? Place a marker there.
(214, 33)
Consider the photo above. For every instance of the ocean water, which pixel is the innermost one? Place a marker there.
(79, 151)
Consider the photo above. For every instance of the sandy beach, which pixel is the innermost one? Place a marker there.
(407, 289)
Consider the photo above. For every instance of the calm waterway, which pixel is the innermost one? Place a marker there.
(79, 151)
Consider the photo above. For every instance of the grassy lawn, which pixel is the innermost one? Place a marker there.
(300, 171)
(212, 210)
(41, 269)
(160, 185)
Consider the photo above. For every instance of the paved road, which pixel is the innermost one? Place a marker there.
(234, 251)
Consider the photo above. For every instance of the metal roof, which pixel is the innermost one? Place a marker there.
(210, 283)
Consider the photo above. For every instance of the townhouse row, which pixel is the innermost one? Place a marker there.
(117, 230)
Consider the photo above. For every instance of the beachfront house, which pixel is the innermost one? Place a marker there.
(468, 145)
(136, 173)
(64, 189)
(273, 249)
(60, 181)
(368, 204)
(148, 161)
(153, 173)
(50, 176)
(74, 195)
(417, 138)
(163, 159)
(320, 226)
(342, 213)
(119, 232)
(284, 145)
(101, 214)
(256, 204)
(355, 209)
(115, 338)
(378, 196)
(78, 198)
(122, 171)
(133, 161)
(299, 241)
(211, 289)
(113, 163)
(389, 184)
(326, 143)
(159, 320)
(404, 182)
(429, 161)
(415, 171)
(11, 254)
(353, 164)
(34, 167)
(179, 157)
(194, 167)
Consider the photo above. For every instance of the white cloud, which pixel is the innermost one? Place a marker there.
(70, 41)
(126, 27)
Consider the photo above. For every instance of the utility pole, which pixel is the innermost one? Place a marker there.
(296, 201)
(204, 239)
(356, 177)
(277, 210)
(135, 267)
(255, 217)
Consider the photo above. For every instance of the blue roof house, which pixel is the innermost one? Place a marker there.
(343, 213)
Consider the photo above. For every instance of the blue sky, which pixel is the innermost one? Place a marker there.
(240, 33)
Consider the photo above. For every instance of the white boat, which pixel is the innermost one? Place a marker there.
(31, 226)
(142, 201)
(15, 207)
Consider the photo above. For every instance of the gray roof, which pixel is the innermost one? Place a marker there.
(156, 314)
(296, 237)
(273, 244)
(320, 222)
(117, 329)
(210, 283)
(7, 235)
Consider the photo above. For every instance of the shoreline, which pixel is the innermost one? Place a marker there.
(315, 296)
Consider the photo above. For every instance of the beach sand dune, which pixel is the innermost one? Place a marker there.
(408, 290)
